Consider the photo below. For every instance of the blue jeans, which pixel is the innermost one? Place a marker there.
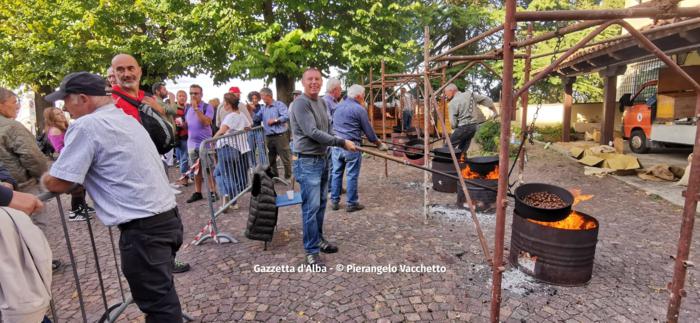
(407, 117)
(231, 172)
(182, 156)
(312, 175)
(350, 161)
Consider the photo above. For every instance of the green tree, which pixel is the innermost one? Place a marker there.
(41, 41)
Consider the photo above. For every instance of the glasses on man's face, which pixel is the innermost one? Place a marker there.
(195, 93)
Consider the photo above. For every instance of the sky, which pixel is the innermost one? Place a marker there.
(211, 91)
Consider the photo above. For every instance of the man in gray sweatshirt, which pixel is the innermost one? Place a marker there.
(312, 136)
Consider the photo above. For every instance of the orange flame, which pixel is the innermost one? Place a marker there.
(493, 174)
(578, 197)
(575, 221)
(467, 173)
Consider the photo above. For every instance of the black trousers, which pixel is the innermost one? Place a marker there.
(148, 248)
(278, 145)
(462, 137)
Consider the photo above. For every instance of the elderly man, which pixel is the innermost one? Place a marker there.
(20, 155)
(465, 115)
(333, 95)
(312, 134)
(111, 78)
(350, 121)
(275, 117)
(136, 199)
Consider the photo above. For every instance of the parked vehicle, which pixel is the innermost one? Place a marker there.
(666, 118)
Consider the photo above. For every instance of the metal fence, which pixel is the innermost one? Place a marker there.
(111, 309)
(112, 303)
(229, 160)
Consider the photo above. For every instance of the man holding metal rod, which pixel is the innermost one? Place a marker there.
(350, 121)
(312, 134)
(99, 148)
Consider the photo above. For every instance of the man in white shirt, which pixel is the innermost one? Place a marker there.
(106, 151)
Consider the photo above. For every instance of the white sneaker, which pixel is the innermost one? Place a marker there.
(175, 191)
(175, 185)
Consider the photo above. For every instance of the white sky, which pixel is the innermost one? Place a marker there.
(211, 91)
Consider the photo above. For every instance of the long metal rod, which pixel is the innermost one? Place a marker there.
(625, 37)
(469, 42)
(97, 258)
(426, 137)
(507, 108)
(653, 12)
(649, 45)
(81, 302)
(524, 101)
(686, 235)
(539, 76)
(557, 33)
(371, 99)
(116, 264)
(386, 166)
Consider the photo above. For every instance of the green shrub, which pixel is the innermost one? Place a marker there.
(488, 136)
(549, 133)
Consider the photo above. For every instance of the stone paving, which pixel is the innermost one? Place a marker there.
(632, 264)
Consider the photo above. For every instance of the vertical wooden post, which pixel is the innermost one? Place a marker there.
(568, 103)
(609, 76)
(386, 163)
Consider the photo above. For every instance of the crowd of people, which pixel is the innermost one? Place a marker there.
(105, 152)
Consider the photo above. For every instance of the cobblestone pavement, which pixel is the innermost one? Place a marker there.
(632, 265)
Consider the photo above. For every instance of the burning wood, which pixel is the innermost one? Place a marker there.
(575, 221)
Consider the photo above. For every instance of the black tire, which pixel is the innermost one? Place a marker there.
(638, 142)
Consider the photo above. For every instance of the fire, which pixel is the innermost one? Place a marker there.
(578, 197)
(467, 173)
(493, 174)
(574, 221)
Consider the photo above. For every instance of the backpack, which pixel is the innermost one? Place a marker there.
(42, 140)
(160, 131)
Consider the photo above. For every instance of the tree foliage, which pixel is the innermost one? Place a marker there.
(41, 40)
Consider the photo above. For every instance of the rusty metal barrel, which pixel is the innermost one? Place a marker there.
(551, 255)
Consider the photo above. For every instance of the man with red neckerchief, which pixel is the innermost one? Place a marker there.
(128, 73)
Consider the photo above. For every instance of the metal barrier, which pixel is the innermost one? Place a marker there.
(230, 160)
(111, 312)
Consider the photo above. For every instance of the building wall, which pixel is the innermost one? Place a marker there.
(552, 114)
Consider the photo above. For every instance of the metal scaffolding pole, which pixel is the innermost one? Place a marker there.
(426, 100)
(524, 102)
(507, 108)
(386, 166)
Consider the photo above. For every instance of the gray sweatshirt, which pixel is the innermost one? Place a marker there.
(311, 127)
(463, 109)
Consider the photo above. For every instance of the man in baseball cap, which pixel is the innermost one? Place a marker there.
(79, 83)
(101, 148)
